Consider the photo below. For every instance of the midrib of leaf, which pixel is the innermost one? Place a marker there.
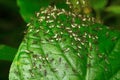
(87, 70)
(50, 66)
(63, 54)
(89, 52)
(42, 50)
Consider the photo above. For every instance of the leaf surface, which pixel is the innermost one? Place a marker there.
(60, 45)
(28, 8)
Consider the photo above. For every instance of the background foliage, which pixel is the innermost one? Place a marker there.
(13, 20)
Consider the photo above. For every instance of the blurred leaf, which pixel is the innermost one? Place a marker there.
(98, 4)
(113, 9)
(7, 53)
(28, 8)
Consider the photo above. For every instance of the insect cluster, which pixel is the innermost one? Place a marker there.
(59, 45)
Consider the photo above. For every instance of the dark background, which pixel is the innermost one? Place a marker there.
(12, 28)
(11, 31)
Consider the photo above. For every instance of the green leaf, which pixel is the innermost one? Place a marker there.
(60, 45)
(113, 9)
(28, 8)
(98, 4)
(7, 53)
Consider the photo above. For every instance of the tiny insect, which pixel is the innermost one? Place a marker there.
(88, 65)
(45, 72)
(60, 60)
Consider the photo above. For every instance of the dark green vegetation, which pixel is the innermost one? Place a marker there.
(78, 47)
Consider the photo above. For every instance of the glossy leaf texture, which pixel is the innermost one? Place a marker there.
(61, 45)
(29, 7)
